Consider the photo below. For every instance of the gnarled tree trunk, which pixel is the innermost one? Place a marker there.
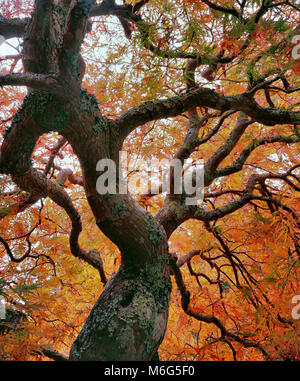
(129, 320)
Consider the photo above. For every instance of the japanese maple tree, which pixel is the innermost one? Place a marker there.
(147, 276)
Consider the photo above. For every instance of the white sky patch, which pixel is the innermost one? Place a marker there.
(8, 47)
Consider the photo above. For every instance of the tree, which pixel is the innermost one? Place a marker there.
(213, 81)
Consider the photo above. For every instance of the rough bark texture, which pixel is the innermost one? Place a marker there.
(129, 320)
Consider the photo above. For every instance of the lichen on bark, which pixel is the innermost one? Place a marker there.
(129, 319)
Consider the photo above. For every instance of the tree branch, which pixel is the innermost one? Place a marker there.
(222, 152)
(10, 254)
(185, 303)
(202, 97)
(174, 213)
(14, 27)
(38, 185)
(41, 82)
(50, 353)
(231, 11)
(238, 164)
(38, 45)
(76, 28)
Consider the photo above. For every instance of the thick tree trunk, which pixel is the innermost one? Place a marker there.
(129, 319)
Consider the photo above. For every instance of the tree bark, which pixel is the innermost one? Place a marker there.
(129, 320)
